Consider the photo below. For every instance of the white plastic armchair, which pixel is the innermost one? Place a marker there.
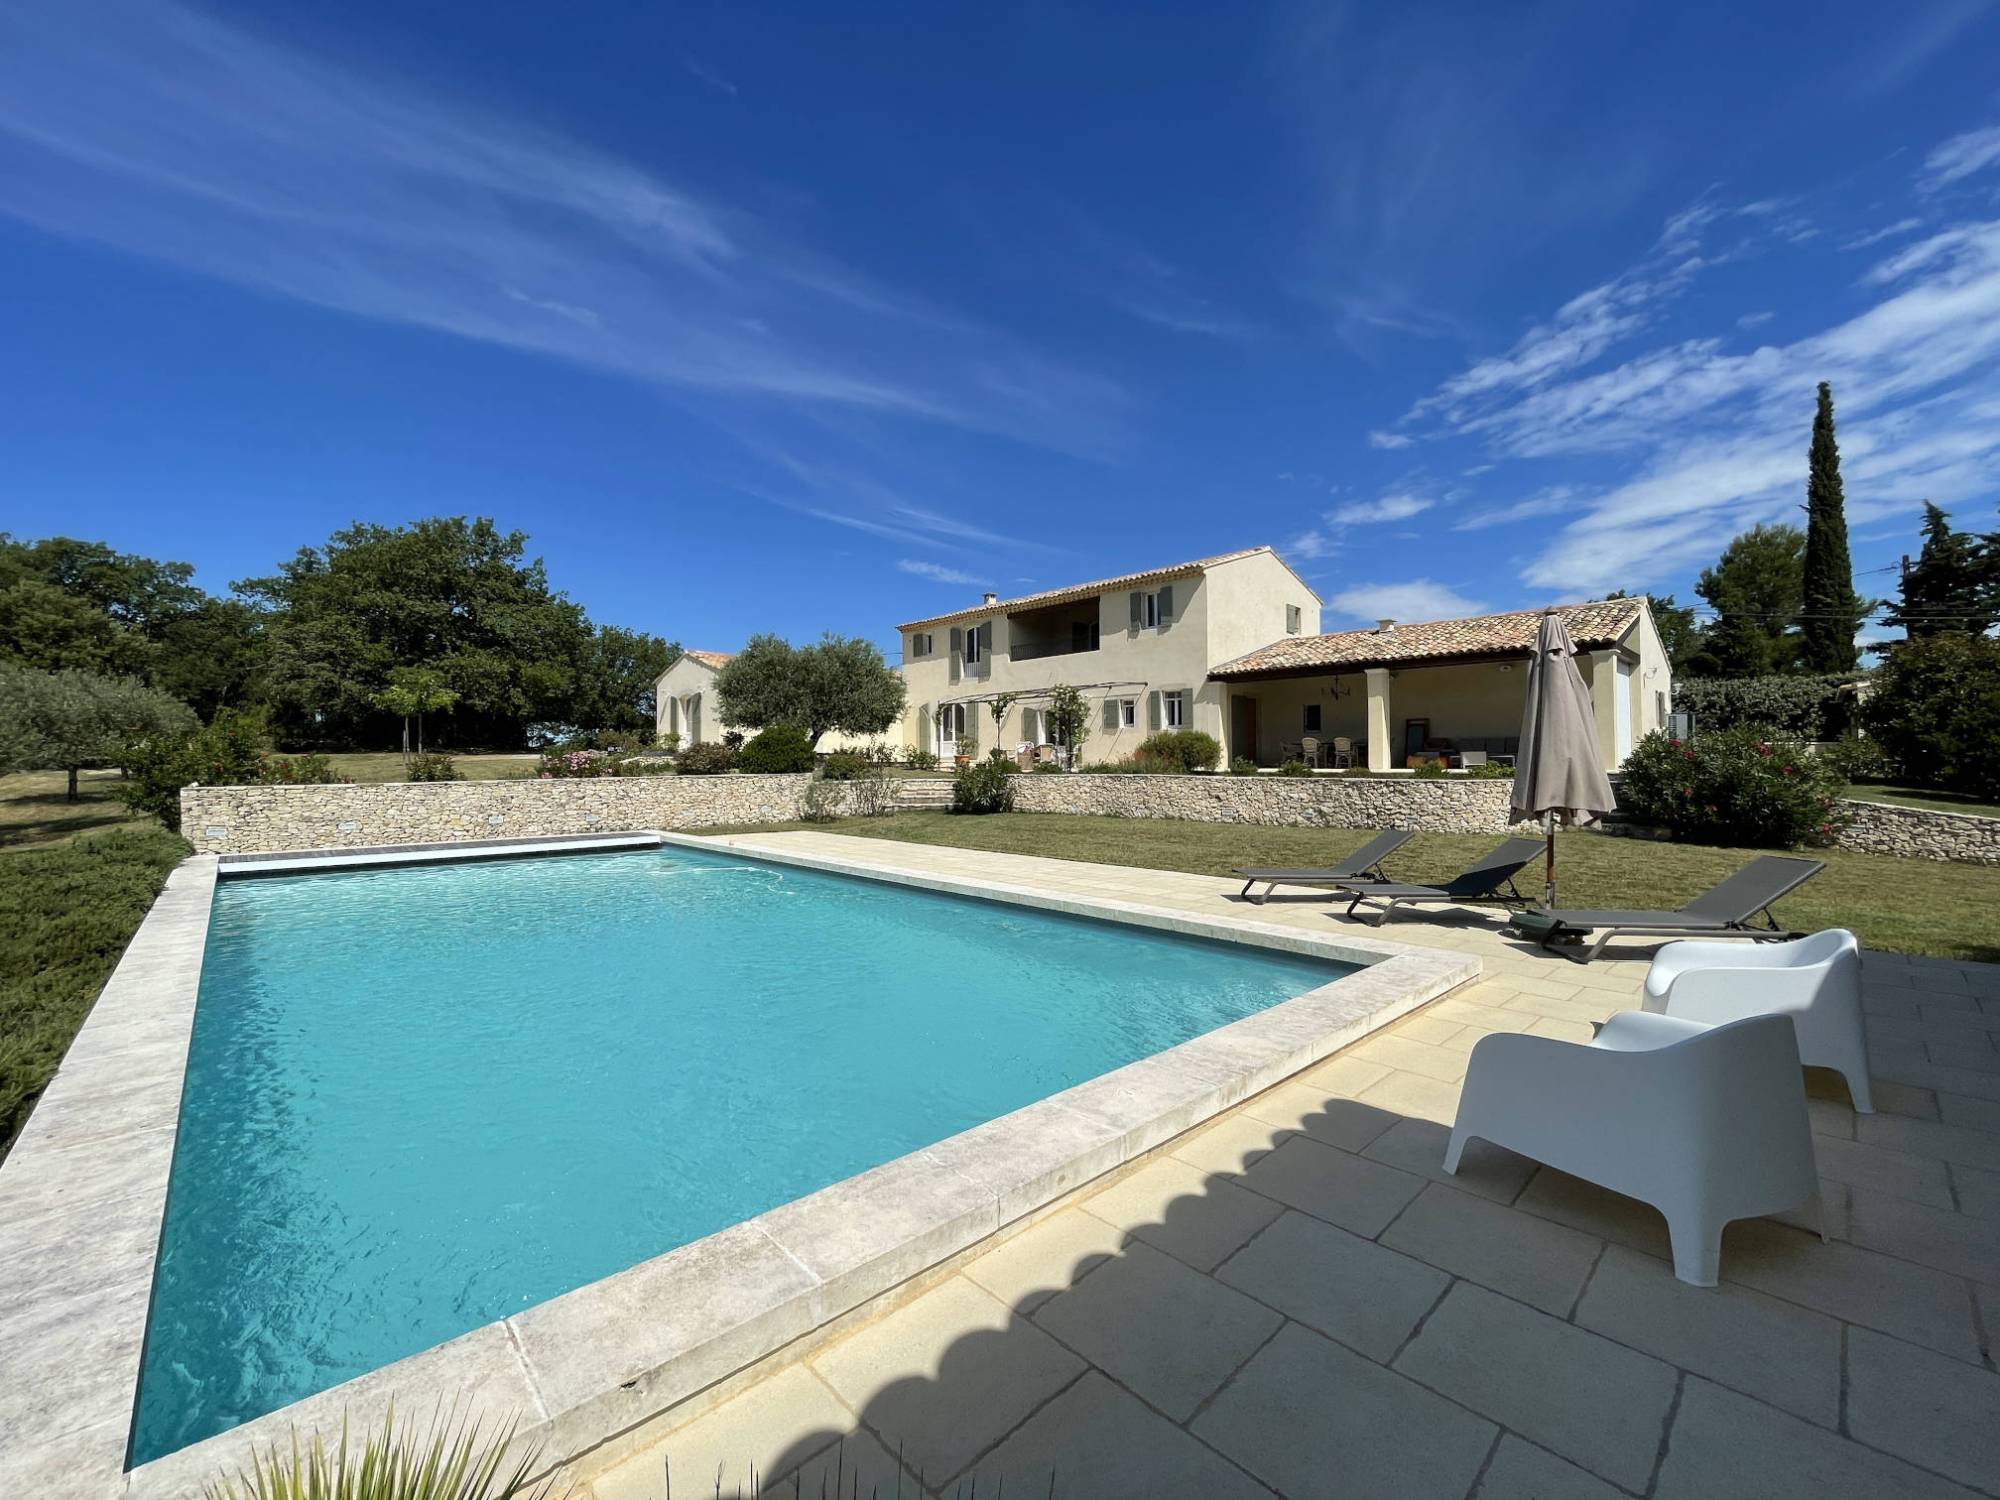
(1706, 1123)
(1815, 980)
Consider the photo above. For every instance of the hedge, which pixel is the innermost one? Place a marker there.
(1813, 708)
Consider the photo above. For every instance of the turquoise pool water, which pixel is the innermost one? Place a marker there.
(421, 1098)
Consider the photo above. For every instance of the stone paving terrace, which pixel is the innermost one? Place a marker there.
(1293, 1300)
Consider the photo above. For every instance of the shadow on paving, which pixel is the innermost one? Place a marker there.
(1273, 1319)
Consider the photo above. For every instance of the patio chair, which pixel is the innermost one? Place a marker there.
(1708, 1124)
(1490, 879)
(1309, 750)
(1362, 865)
(1815, 980)
(1727, 910)
(1343, 752)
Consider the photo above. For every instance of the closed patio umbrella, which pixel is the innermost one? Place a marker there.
(1559, 771)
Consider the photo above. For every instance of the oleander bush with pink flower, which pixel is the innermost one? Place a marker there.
(1735, 787)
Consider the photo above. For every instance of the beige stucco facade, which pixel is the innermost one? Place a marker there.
(1138, 664)
(684, 701)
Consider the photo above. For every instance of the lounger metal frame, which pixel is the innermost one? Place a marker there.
(1333, 877)
(1571, 935)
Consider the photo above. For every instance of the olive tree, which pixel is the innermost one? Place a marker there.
(841, 682)
(65, 721)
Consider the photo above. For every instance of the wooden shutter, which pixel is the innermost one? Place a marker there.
(1155, 711)
(1166, 605)
(985, 643)
(1111, 714)
(957, 652)
(1138, 609)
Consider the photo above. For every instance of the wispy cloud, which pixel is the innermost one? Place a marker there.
(1960, 157)
(174, 134)
(1418, 599)
(708, 75)
(1886, 232)
(1391, 440)
(938, 573)
(1324, 540)
(1753, 320)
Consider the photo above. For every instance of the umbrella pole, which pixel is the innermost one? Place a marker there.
(1549, 879)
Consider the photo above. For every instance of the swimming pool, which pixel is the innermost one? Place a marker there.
(421, 1098)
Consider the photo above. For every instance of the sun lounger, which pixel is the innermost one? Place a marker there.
(1728, 910)
(1491, 879)
(1362, 864)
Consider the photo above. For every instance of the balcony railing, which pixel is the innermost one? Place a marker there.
(1032, 651)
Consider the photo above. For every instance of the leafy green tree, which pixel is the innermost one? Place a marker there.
(457, 595)
(49, 630)
(414, 692)
(1947, 587)
(135, 593)
(1068, 718)
(615, 678)
(67, 720)
(1935, 709)
(229, 751)
(1755, 589)
(839, 683)
(212, 657)
(1832, 611)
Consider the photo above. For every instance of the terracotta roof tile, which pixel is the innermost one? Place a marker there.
(1073, 591)
(715, 659)
(1591, 626)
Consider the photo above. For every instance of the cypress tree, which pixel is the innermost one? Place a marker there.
(1832, 611)
(1945, 589)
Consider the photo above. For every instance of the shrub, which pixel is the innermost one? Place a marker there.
(1430, 770)
(732, 739)
(1295, 768)
(228, 752)
(1179, 750)
(308, 770)
(983, 787)
(1492, 770)
(451, 1460)
(1813, 708)
(1243, 766)
(881, 753)
(1132, 767)
(921, 760)
(706, 758)
(433, 766)
(1045, 768)
(821, 802)
(1856, 759)
(781, 748)
(671, 742)
(574, 765)
(845, 765)
(1733, 787)
(1935, 712)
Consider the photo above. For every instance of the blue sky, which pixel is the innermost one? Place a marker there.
(762, 319)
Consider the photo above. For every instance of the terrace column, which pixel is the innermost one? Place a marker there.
(1379, 745)
(1603, 703)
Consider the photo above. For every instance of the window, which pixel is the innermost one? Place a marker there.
(1294, 622)
(1149, 617)
(1312, 718)
(1175, 705)
(1154, 611)
(920, 643)
(972, 644)
(1128, 713)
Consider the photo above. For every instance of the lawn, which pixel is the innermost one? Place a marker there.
(1905, 905)
(35, 810)
(388, 766)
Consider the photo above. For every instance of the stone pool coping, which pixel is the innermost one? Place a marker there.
(587, 1373)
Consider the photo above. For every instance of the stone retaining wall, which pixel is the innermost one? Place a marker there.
(1921, 833)
(264, 819)
(1452, 805)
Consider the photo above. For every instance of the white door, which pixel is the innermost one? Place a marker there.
(1621, 713)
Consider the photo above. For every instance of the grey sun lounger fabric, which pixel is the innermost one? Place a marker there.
(1491, 879)
(1728, 909)
(1360, 865)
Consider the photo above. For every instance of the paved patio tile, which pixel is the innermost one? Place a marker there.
(1173, 1335)
(1344, 1286)
(1973, 1144)
(1978, 1192)
(1521, 1471)
(1724, 1444)
(1963, 1244)
(1539, 1262)
(1098, 1440)
(1311, 1418)
(1424, 1027)
(1923, 1407)
(1902, 1099)
(1343, 1189)
(1858, 1285)
(1903, 1174)
(1408, 1055)
(1581, 1396)
(1045, 1259)
(1486, 1169)
(1311, 1110)
(1973, 1114)
(1344, 1074)
(1585, 1206)
(1414, 1095)
(1766, 1348)
(945, 1377)
(1193, 1215)
(1231, 1145)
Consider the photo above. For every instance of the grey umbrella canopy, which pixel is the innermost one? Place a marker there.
(1558, 771)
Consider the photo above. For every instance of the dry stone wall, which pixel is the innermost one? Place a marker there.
(1451, 805)
(1921, 833)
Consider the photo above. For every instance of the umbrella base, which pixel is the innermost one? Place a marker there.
(1543, 927)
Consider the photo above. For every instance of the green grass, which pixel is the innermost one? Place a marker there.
(1903, 905)
(1930, 797)
(67, 910)
(373, 768)
(35, 810)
